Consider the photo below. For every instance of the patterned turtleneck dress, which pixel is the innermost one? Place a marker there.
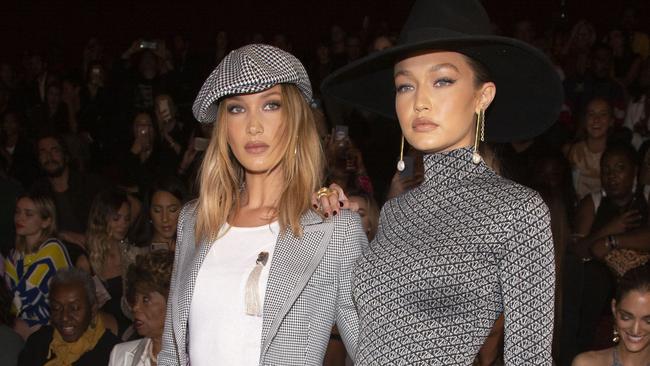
(448, 258)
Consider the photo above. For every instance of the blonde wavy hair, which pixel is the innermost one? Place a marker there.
(221, 176)
(105, 205)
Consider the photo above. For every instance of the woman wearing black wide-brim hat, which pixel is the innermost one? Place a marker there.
(467, 245)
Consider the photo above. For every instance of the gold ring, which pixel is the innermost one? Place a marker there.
(324, 192)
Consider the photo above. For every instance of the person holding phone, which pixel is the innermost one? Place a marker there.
(143, 160)
(466, 245)
(173, 133)
(259, 277)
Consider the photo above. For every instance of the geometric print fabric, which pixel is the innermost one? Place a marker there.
(448, 258)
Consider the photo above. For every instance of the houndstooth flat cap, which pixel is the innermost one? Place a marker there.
(249, 69)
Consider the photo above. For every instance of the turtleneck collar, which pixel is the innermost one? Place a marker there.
(451, 165)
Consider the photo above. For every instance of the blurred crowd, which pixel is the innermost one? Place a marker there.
(97, 159)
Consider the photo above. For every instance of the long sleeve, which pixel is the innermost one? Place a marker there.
(527, 276)
(168, 354)
(347, 319)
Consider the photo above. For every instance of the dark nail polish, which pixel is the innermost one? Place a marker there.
(315, 207)
(326, 214)
(334, 214)
(341, 204)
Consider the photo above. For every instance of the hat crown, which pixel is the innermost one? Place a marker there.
(445, 18)
(249, 69)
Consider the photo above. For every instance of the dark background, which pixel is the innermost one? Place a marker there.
(63, 27)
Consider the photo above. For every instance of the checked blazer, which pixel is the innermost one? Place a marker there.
(308, 290)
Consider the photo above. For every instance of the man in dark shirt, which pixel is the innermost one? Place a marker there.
(72, 191)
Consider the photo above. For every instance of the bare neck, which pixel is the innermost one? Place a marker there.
(597, 145)
(633, 358)
(259, 200)
(32, 242)
(263, 189)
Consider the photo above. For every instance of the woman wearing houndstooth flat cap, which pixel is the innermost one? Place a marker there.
(467, 245)
(259, 277)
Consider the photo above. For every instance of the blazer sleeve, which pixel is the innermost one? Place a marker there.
(527, 276)
(347, 319)
(117, 356)
(168, 355)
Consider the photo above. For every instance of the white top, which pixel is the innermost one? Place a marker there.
(636, 113)
(220, 331)
(124, 353)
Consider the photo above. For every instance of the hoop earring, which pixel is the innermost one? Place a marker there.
(400, 163)
(480, 134)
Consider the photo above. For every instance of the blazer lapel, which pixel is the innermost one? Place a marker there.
(294, 260)
(193, 259)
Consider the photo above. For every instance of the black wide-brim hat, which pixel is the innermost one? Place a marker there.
(529, 92)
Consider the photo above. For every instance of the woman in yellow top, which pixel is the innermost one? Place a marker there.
(36, 257)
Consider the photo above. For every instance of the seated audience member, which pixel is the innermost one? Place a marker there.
(584, 155)
(167, 198)
(597, 82)
(644, 166)
(172, 134)
(96, 104)
(381, 43)
(36, 258)
(52, 115)
(17, 150)
(78, 143)
(612, 228)
(143, 162)
(637, 116)
(148, 286)
(368, 209)
(71, 190)
(77, 336)
(141, 76)
(10, 189)
(193, 156)
(345, 163)
(10, 342)
(626, 63)
(109, 252)
(631, 310)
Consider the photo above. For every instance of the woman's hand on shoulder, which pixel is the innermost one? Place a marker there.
(331, 202)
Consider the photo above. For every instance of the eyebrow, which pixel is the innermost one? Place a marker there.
(433, 68)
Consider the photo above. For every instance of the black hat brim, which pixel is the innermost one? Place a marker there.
(528, 97)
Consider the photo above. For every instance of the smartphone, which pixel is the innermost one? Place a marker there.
(148, 45)
(200, 143)
(409, 167)
(159, 246)
(163, 108)
(340, 132)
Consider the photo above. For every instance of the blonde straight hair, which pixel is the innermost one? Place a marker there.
(221, 177)
(45, 209)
